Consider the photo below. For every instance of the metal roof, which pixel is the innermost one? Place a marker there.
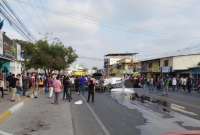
(168, 56)
(121, 54)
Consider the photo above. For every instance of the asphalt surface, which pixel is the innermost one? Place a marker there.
(191, 101)
(110, 114)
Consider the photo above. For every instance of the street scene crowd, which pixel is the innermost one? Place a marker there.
(33, 84)
(173, 83)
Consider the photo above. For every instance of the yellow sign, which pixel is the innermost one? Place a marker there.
(79, 73)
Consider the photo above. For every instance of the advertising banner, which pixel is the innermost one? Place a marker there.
(1, 43)
(9, 48)
(166, 69)
(18, 52)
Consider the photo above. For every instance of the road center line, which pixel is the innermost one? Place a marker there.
(177, 106)
(96, 117)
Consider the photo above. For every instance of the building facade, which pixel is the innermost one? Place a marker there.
(176, 65)
(10, 55)
(119, 63)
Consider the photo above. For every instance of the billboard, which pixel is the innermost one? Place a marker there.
(1, 43)
(9, 47)
(18, 51)
(166, 69)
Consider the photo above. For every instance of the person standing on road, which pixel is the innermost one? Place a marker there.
(33, 86)
(46, 87)
(50, 85)
(25, 83)
(12, 85)
(189, 84)
(166, 89)
(57, 89)
(184, 83)
(151, 84)
(174, 83)
(2, 87)
(91, 90)
(67, 89)
(41, 85)
(77, 85)
(83, 84)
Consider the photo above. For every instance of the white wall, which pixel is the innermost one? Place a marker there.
(114, 60)
(15, 67)
(185, 62)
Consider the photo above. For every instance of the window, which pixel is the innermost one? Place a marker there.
(166, 63)
(150, 65)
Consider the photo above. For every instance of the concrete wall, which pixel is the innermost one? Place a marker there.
(185, 62)
(170, 59)
(15, 67)
(114, 61)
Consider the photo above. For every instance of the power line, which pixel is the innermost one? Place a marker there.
(17, 18)
(14, 20)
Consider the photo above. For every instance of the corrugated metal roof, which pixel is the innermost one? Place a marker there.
(121, 54)
(169, 55)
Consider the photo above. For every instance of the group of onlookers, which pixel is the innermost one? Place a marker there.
(33, 84)
(169, 83)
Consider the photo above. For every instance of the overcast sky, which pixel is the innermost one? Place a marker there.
(97, 27)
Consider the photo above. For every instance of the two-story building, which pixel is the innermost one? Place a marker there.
(119, 63)
(175, 64)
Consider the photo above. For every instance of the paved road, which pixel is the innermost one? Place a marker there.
(190, 101)
(111, 114)
(121, 116)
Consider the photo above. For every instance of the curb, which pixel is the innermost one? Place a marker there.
(7, 114)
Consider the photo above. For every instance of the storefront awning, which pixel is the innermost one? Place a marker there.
(5, 59)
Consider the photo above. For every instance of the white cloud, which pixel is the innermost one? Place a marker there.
(96, 27)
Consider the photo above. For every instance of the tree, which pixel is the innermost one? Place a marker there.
(48, 57)
(95, 68)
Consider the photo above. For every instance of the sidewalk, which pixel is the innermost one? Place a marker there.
(5, 103)
(8, 108)
(40, 117)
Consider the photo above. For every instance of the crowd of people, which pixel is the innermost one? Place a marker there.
(173, 83)
(33, 84)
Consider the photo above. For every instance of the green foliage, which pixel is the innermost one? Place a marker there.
(47, 56)
(94, 68)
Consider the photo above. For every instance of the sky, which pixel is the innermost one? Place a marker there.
(97, 27)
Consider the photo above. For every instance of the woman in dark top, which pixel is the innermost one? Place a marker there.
(91, 90)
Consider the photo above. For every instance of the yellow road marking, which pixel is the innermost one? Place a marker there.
(4, 116)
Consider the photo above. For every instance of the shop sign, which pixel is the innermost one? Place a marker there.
(166, 69)
(9, 48)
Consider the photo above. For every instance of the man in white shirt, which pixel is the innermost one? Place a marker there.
(174, 83)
